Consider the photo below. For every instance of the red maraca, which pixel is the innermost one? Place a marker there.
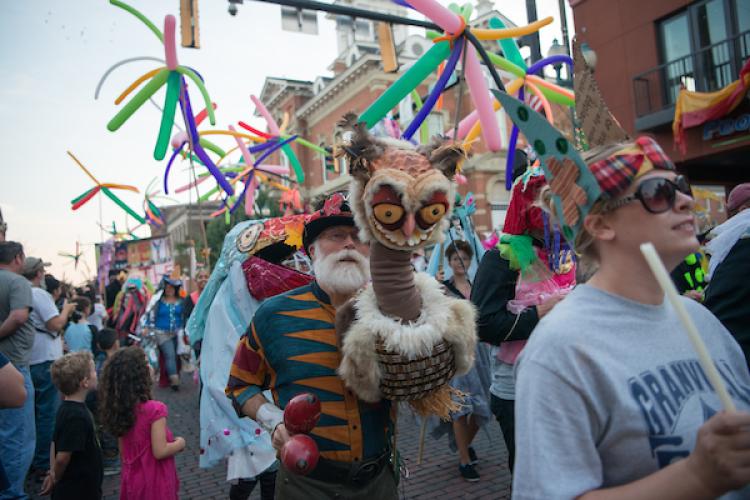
(302, 413)
(300, 454)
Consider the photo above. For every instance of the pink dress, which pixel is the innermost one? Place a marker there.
(143, 477)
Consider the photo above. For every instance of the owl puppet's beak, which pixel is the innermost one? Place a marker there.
(408, 226)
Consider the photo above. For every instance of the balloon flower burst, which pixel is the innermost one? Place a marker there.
(103, 187)
(460, 41)
(75, 257)
(173, 76)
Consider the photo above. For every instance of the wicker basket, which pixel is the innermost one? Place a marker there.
(405, 379)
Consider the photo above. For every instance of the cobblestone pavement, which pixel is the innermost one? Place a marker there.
(437, 476)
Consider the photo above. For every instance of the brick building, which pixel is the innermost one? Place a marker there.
(358, 79)
(647, 49)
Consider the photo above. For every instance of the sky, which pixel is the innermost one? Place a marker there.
(53, 54)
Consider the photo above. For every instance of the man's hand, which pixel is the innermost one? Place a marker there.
(695, 295)
(68, 307)
(279, 437)
(721, 458)
(546, 306)
(48, 484)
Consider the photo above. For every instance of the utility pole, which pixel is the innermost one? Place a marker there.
(564, 23)
(533, 39)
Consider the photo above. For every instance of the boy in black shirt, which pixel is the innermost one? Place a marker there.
(75, 455)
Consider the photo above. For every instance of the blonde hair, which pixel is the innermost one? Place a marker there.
(584, 241)
(69, 371)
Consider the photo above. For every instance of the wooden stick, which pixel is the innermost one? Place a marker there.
(422, 432)
(661, 275)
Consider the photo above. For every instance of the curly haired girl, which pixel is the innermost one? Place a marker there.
(146, 444)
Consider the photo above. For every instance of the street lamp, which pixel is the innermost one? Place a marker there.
(557, 49)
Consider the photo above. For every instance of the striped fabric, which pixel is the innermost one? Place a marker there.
(617, 172)
(290, 348)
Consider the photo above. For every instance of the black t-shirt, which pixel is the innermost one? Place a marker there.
(75, 432)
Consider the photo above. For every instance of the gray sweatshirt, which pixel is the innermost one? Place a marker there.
(610, 390)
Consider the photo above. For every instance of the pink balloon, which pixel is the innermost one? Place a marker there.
(464, 126)
(272, 126)
(480, 95)
(249, 160)
(178, 139)
(250, 196)
(438, 14)
(170, 46)
(274, 169)
(184, 188)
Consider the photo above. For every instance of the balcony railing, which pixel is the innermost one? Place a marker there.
(707, 70)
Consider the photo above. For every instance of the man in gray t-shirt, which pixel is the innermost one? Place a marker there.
(16, 331)
(17, 433)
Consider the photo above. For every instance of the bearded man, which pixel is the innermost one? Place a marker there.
(292, 347)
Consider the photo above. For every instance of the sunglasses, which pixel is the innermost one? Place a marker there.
(657, 194)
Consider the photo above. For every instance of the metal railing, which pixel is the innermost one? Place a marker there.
(706, 70)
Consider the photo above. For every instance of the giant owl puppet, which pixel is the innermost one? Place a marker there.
(403, 339)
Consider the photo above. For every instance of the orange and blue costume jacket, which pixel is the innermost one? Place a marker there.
(290, 348)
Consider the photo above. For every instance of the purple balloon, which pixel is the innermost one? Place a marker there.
(169, 165)
(436, 90)
(558, 59)
(260, 147)
(187, 112)
(273, 148)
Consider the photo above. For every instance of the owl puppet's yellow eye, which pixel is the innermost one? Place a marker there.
(431, 214)
(387, 213)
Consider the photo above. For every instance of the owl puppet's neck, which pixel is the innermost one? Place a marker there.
(393, 282)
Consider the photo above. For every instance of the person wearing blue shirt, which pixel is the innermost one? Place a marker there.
(78, 334)
(166, 319)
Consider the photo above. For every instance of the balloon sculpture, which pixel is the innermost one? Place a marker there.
(105, 188)
(460, 41)
(173, 75)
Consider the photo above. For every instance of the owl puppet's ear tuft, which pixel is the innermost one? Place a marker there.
(445, 155)
(360, 149)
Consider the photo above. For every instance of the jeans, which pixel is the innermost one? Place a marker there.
(503, 411)
(17, 440)
(46, 402)
(169, 350)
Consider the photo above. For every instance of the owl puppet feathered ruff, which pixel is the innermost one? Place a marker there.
(402, 337)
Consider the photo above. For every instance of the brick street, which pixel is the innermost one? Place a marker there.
(437, 476)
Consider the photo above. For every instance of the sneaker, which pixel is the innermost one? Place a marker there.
(473, 459)
(468, 472)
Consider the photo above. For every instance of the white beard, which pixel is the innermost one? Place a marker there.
(342, 277)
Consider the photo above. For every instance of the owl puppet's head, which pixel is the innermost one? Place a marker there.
(401, 194)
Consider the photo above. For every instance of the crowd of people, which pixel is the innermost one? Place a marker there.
(588, 374)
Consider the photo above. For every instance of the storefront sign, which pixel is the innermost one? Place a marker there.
(717, 129)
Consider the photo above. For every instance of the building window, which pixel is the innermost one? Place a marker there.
(703, 46)
(498, 198)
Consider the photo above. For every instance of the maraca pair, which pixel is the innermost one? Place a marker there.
(300, 453)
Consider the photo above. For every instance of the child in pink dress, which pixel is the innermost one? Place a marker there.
(147, 447)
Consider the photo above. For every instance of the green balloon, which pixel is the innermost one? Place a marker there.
(510, 49)
(140, 16)
(212, 147)
(122, 205)
(199, 83)
(138, 99)
(298, 172)
(167, 116)
(408, 82)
